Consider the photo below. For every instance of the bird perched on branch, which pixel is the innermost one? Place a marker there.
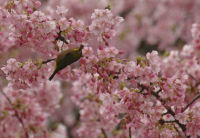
(66, 58)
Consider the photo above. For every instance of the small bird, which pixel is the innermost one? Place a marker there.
(66, 58)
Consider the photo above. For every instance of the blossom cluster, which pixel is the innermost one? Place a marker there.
(151, 97)
(104, 94)
(28, 99)
(148, 21)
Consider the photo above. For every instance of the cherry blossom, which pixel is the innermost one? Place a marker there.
(111, 92)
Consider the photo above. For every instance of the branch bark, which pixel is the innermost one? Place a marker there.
(104, 133)
(16, 115)
(186, 107)
(169, 110)
(49, 60)
(129, 132)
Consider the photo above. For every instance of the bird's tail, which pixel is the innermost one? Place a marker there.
(51, 77)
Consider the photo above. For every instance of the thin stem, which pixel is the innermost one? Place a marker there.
(104, 133)
(61, 38)
(49, 60)
(129, 132)
(169, 110)
(125, 12)
(178, 131)
(171, 121)
(16, 115)
(165, 113)
(21, 121)
(159, 91)
(197, 97)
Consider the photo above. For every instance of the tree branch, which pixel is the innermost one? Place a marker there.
(49, 60)
(104, 133)
(169, 110)
(171, 121)
(129, 132)
(16, 115)
(178, 131)
(61, 38)
(197, 97)
(125, 12)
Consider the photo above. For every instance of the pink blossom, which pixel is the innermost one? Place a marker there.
(104, 94)
(61, 11)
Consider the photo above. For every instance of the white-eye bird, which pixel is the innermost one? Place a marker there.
(66, 58)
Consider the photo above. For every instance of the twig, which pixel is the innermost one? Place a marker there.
(104, 133)
(178, 131)
(16, 115)
(165, 113)
(162, 121)
(169, 110)
(129, 132)
(61, 38)
(160, 90)
(125, 12)
(197, 97)
(49, 60)
(21, 121)
(143, 88)
(171, 121)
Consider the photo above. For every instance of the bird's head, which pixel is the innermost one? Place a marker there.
(81, 47)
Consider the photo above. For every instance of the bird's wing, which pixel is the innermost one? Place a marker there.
(66, 60)
(62, 54)
(66, 57)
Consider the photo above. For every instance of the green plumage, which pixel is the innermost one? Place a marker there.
(66, 58)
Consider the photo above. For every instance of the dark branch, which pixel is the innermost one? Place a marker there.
(104, 133)
(171, 121)
(61, 38)
(159, 91)
(49, 60)
(125, 12)
(129, 132)
(169, 110)
(16, 114)
(197, 97)
(178, 131)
